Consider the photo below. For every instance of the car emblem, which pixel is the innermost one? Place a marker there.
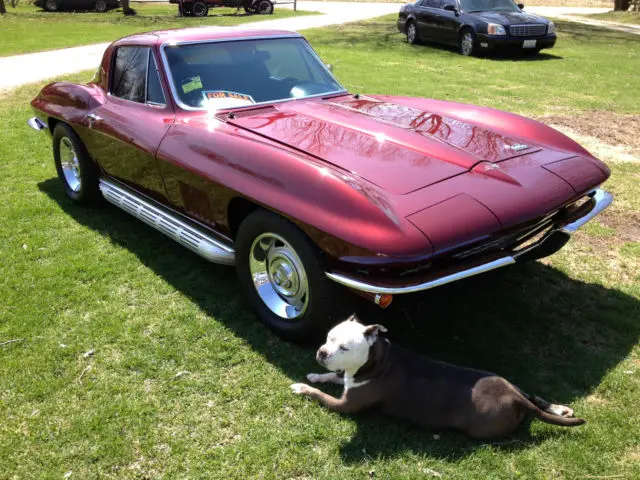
(518, 146)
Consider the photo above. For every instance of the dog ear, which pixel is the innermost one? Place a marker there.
(372, 331)
(352, 318)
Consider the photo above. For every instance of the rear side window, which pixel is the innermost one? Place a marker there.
(130, 73)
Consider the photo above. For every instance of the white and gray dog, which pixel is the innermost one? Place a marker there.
(403, 384)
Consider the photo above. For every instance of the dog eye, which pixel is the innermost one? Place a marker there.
(343, 348)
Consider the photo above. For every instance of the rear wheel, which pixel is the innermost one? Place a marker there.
(51, 5)
(199, 9)
(467, 42)
(412, 33)
(265, 7)
(101, 6)
(76, 170)
(282, 273)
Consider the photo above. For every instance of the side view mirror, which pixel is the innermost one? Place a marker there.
(521, 6)
(451, 8)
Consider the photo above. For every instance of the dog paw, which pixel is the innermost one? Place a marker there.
(561, 410)
(316, 377)
(299, 388)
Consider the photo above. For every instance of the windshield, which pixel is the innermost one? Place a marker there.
(488, 6)
(240, 73)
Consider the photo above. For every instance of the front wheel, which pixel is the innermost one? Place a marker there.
(467, 43)
(76, 170)
(199, 9)
(101, 6)
(282, 274)
(51, 5)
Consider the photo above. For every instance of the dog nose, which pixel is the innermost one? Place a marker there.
(321, 355)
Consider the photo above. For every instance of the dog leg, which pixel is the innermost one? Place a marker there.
(341, 404)
(330, 377)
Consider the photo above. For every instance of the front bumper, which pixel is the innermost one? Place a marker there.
(550, 242)
(507, 42)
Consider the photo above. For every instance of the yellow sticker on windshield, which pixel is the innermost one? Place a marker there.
(191, 84)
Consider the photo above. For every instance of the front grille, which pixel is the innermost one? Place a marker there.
(528, 30)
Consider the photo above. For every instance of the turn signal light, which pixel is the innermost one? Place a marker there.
(383, 300)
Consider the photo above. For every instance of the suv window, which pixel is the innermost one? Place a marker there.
(433, 3)
(128, 80)
(155, 96)
(447, 3)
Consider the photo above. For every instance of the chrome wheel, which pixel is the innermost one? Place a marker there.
(51, 5)
(411, 33)
(466, 43)
(70, 164)
(279, 276)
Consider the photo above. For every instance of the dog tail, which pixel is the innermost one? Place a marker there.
(547, 417)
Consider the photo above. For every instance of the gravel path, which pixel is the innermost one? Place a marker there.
(35, 67)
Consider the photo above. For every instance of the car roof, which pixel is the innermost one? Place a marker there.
(199, 34)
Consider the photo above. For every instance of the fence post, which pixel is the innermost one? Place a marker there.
(295, 5)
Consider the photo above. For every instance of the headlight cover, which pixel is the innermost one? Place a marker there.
(551, 28)
(495, 29)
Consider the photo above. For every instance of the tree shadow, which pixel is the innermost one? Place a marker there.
(548, 333)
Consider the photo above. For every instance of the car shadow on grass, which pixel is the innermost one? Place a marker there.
(546, 332)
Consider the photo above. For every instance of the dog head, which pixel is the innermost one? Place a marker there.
(348, 344)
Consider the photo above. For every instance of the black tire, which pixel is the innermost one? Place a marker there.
(51, 5)
(186, 10)
(413, 37)
(199, 9)
(264, 7)
(86, 192)
(324, 305)
(467, 44)
(101, 6)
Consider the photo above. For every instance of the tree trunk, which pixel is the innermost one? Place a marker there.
(621, 5)
(2, 9)
(126, 9)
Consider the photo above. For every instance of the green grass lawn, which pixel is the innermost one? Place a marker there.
(29, 29)
(74, 279)
(618, 17)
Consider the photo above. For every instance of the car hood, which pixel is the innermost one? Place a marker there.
(508, 18)
(399, 148)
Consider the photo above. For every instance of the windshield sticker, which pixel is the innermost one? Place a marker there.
(226, 99)
(191, 84)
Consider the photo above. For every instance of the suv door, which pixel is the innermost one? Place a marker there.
(126, 130)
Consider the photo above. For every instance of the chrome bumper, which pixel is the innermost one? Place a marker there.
(602, 200)
(36, 123)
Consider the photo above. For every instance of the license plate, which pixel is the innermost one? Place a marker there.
(529, 44)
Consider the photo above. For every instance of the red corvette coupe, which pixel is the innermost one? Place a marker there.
(242, 146)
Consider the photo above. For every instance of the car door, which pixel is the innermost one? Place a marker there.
(126, 130)
(449, 21)
(425, 18)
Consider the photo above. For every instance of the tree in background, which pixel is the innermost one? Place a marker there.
(621, 5)
(126, 9)
(2, 9)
